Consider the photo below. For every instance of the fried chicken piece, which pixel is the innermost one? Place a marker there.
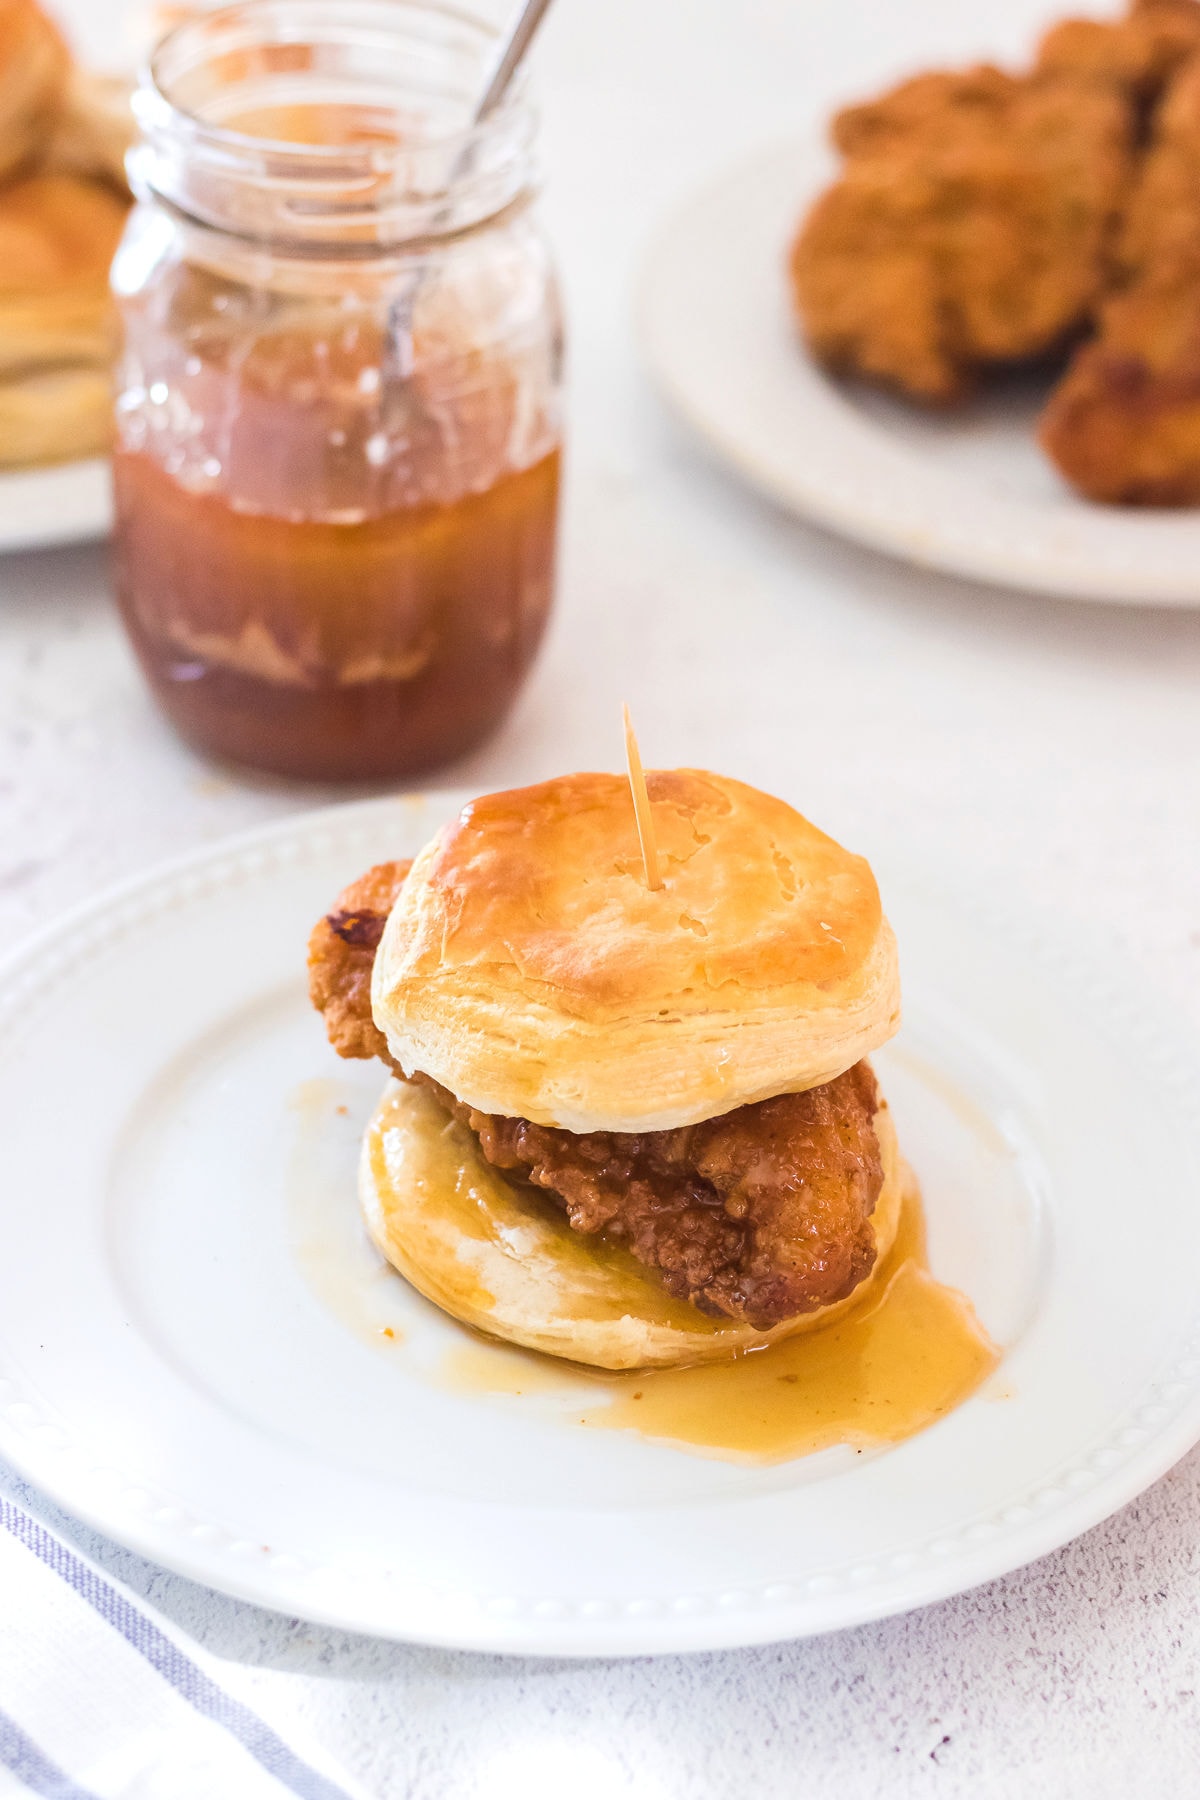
(921, 110)
(95, 129)
(971, 225)
(1139, 53)
(760, 1214)
(1124, 422)
(341, 955)
(1160, 231)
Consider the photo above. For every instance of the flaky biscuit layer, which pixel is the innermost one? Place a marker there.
(528, 968)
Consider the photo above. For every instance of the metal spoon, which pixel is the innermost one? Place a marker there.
(509, 56)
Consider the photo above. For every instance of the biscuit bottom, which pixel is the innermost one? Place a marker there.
(503, 1259)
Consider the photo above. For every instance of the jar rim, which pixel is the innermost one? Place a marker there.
(408, 65)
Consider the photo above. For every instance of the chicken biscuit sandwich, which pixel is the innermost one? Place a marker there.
(628, 1125)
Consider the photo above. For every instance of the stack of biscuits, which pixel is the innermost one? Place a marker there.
(63, 201)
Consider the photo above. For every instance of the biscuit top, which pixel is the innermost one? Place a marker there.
(527, 966)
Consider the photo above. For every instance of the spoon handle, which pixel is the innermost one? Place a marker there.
(511, 52)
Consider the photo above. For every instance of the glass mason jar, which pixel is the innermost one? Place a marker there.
(338, 412)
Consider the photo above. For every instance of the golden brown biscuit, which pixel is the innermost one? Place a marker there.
(55, 415)
(94, 129)
(527, 967)
(52, 330)
(57, 238)
(57, 234)
(34, 68)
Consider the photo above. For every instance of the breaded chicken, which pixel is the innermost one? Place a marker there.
(984, 218)
(972, 225)
(341, 955)
(921, 110)
(1124, 422)
(1139, 53)
(759, 1214)
(1160, 230)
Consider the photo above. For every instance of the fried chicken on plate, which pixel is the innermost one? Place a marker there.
(1124, 422)
(1139, 53)
(972, 225)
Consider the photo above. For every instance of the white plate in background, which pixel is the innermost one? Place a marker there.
(67, 503)
(191, 1348)
(71, 502)
(965, 491)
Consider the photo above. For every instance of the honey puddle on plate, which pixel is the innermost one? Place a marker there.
(913, 1352)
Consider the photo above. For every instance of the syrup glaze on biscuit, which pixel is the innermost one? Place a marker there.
(528, 968)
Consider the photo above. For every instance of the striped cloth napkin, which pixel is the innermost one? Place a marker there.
(100, 1701)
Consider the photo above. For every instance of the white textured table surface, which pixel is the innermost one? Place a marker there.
(1051, 747)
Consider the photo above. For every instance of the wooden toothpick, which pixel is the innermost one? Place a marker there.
(641, 805)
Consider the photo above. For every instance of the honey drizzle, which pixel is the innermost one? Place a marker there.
(913, 1352)
(910, 1353)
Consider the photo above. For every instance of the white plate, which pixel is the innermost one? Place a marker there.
(66, 504)
(967, 492)
(190, 1348)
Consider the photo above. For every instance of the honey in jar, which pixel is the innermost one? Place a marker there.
(337, 459)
